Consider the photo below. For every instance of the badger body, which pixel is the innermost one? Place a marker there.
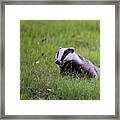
(70, 62)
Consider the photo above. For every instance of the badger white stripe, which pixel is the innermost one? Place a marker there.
(61, 52)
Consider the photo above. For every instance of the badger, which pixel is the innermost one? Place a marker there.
(69, 61)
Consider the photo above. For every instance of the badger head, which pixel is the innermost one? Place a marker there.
(63, 56)
(69, 61)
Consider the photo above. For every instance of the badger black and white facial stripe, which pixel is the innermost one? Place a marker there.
(62, 53)
(66, 58)
(66, 52)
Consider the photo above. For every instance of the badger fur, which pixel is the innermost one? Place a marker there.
(69, 61)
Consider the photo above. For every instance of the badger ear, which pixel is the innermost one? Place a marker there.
(71, 49)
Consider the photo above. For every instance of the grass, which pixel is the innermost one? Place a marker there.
(39, 76)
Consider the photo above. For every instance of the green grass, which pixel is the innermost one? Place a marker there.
(39, 76)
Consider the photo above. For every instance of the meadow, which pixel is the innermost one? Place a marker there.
(39, 75)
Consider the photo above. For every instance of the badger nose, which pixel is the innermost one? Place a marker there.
(57, 62)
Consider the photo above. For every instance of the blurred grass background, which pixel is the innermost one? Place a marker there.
(39, 75)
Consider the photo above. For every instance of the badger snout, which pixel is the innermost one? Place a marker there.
(60, 63)
(57, 62)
